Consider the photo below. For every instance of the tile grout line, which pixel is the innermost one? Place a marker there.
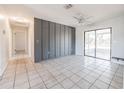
(113, 77)
(76, 75)
(96, 80)
(103, 81)
(84, 76)
(69, 78)
(65, 79)
(39, 75)
(66, 67)
(79, 76)
(15, 73)
(72, 75)
(27, 74)
(55, 79)
(4, 72)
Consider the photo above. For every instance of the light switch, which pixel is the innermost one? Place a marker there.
(4, 32)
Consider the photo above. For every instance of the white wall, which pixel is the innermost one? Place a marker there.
(31, 39)
(19, 11)
(4, 44)
(6, 40)
(4, 52)
(79, 41)
(117, 25)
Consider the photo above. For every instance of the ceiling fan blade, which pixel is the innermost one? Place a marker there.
(89, 17)
(75, 17)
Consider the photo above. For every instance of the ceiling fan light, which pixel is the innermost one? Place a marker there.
(68, 6)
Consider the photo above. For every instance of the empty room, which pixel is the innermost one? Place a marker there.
(61, 46)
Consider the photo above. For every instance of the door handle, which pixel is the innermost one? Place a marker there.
(37, 41)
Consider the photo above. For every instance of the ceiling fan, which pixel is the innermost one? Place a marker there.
(68, 6)
(81, 18)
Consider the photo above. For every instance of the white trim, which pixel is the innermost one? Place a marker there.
(2, 70)
(118, 62)
(19, 57)
(123, 78)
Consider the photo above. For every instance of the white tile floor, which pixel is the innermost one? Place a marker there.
(72, 72)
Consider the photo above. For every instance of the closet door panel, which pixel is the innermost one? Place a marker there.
(57, 40)
(69, 41)
(45, 39)
(66, 40)
(62, 40)
(37, 40)
(52, 40)
(73, 41)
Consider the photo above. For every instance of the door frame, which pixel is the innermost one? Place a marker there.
(95, 42)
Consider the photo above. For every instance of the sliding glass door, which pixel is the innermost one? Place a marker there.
(90, 43)
(103, 42)
(98, 43)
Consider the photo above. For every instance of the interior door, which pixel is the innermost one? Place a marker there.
(19, 41)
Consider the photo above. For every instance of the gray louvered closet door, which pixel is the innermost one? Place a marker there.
(57, 40)
(62, 40)
(52, 40)
(37, 40)
(69, 41)
(66, 40)
(45, 39)
(73, 41)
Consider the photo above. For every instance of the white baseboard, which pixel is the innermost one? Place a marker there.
(118, 62)
(2, 70)
(123, 78)
(79, 55)
(18, 57)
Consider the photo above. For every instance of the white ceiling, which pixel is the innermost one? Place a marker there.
(57, 12)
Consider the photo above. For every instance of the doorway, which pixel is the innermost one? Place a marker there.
(97, 43)
(20, 41)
